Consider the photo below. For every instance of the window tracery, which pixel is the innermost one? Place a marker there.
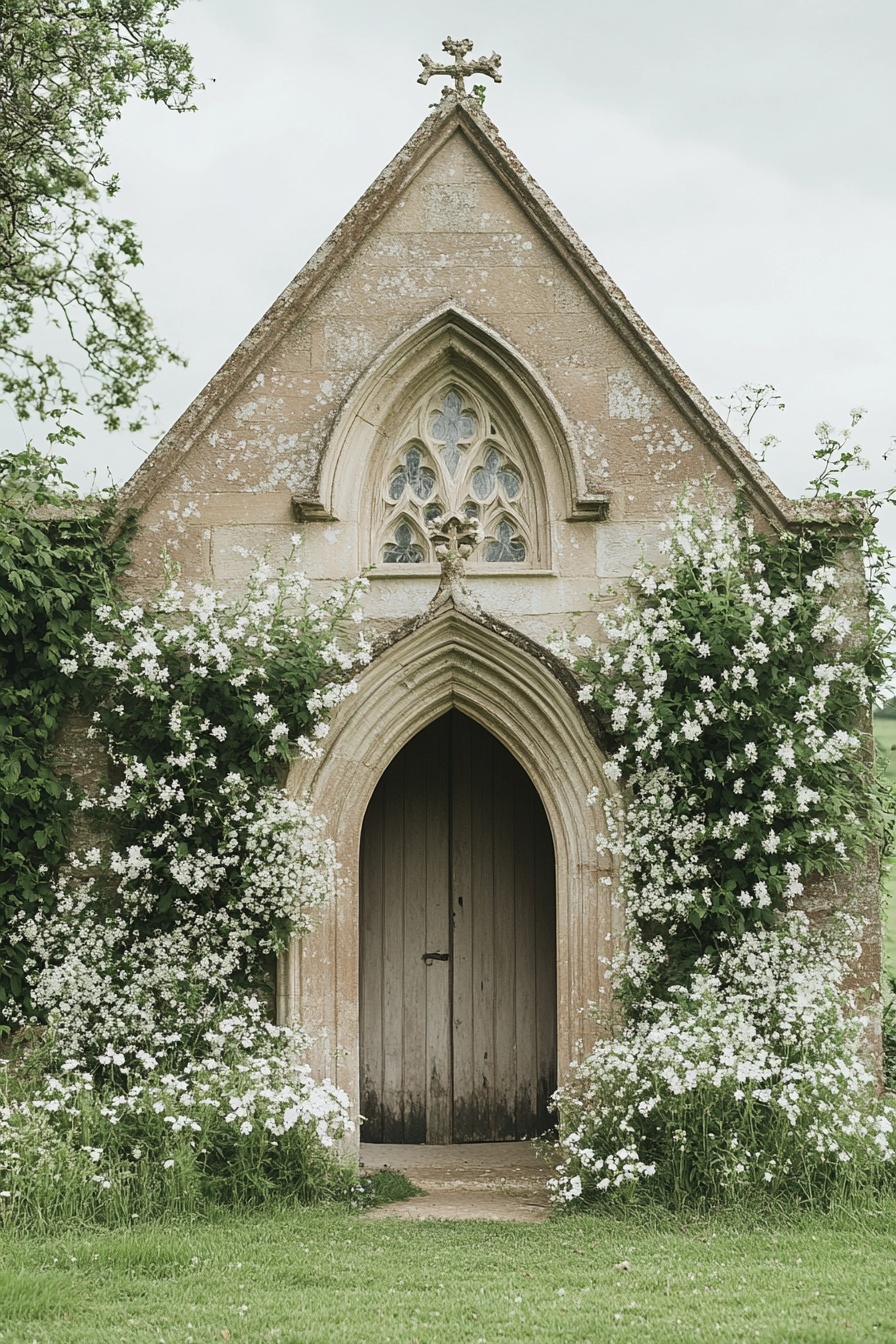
(453, 457)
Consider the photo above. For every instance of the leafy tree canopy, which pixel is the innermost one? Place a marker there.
(67, 67)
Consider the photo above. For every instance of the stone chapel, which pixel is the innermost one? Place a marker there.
(453, 349)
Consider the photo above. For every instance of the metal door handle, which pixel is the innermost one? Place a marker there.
(430, 957)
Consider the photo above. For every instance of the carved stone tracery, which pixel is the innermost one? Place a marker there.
(454, 459)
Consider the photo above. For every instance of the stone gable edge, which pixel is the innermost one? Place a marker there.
(464, 115)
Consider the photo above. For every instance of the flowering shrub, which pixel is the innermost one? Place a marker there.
(148, 970)
(55, 560)
(736, 682)
(236, 1119)
(735, 685)
(751, 1076)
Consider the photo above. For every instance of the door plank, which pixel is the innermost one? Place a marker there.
(371, 970)
(413, 975)
(462, 933)
(482, 1104)
(526, 988)
(394, 849)
(437, 935)
(505, 784)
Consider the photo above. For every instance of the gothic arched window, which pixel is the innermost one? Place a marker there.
(456, 458)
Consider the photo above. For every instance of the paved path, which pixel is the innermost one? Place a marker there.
(496, 1181)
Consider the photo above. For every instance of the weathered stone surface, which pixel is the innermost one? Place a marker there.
(856, 891)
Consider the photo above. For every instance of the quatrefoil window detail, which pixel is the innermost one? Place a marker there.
(410, 475)
(452, 428)
(451, 457)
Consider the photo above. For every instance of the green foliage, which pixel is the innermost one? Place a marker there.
(201, 702)
(55, 561)
(147, 1078)
(67, 67)
(859, 510)
(766, 653)
(738, 681)
(888, 1029)
(147, 1148)
(384, 1186)
(885, 744)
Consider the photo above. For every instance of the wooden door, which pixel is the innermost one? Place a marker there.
(458, 956)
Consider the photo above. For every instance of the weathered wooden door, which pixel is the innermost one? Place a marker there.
(458, 945)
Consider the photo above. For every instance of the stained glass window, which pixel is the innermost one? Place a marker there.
(453, 458)
(506, 548)
(403, 550)
(410, 475)
(452, 427)
(492, 475)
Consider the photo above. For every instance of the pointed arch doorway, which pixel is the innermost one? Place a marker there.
(458, 1031)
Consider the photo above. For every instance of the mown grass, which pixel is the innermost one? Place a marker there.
(324, 1274)
(885, 736)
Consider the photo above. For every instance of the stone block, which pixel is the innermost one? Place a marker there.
(330, 550)
(575, 549)
(234, 549)
(621, 546)
(244, 506)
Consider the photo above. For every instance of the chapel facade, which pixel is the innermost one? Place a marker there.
(453, 349)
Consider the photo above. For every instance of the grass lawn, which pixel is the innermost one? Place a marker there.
(885, 736)
(326, 1275)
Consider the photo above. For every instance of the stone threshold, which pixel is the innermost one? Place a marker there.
(498, 1182)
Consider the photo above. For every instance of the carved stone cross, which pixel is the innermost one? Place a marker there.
(484, 65)
(455, 538)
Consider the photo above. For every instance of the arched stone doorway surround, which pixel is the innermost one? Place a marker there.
(454, 657)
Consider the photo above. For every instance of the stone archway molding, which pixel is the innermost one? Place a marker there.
(449, 339)
(453, 657)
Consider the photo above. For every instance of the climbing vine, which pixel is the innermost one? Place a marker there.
(737, 681)
(149, 972)
(56, 560)
(202, 867)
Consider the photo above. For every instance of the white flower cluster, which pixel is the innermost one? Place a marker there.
(240, 644)
(219, 867)
(210, 871)
(246, 1087)
(750, 1073)
(101, 977)
(733, 762)
(730, 687)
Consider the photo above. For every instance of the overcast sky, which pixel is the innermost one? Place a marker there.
(730, 164)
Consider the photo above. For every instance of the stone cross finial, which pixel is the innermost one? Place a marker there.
(455, 538)
(484, 65)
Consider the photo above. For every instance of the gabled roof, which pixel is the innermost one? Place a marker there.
(466, 116)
